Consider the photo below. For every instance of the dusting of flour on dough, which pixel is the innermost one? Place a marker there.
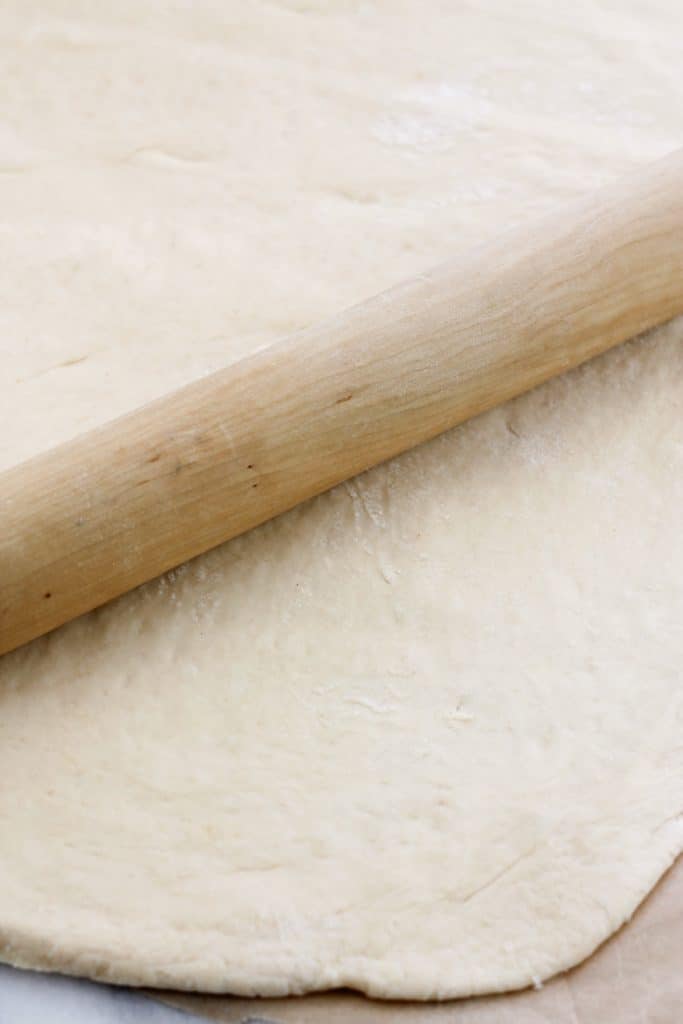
(420, 736)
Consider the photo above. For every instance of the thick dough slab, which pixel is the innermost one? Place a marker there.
(421, 736)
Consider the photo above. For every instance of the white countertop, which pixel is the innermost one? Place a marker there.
(30, 998)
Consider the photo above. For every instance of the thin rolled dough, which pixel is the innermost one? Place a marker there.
(421, 736)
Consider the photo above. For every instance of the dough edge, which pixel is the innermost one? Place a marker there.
(419, 977)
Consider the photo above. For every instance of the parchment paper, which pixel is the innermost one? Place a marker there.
(634, 978)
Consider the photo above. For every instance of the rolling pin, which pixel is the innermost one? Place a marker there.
(103, 513)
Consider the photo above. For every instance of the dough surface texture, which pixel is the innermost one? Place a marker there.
(421, 736)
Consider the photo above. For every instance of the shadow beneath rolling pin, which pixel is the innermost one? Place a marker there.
(531, 434)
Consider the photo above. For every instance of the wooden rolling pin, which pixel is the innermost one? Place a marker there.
(121, 504)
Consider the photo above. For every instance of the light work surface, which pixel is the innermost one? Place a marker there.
(29, 998)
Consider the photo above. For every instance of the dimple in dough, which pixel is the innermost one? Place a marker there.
(422, 735)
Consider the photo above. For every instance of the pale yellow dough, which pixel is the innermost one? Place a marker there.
(423, 735)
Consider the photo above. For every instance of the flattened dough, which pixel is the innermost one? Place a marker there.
(421, 736)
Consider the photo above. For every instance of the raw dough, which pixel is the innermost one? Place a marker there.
(421, 736)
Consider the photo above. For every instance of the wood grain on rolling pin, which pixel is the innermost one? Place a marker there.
(101, 514)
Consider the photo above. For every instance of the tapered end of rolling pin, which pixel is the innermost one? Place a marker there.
(107, 511)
